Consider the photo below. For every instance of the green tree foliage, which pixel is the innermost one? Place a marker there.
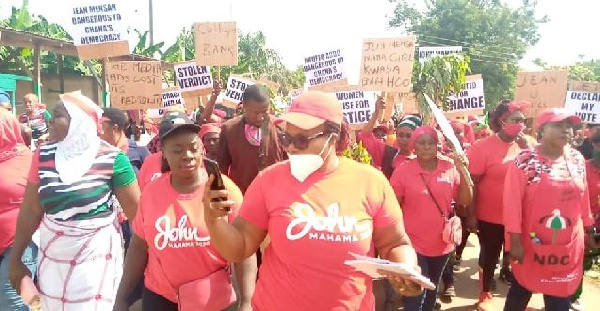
(493, 34)
(12, 59)
(588, 70)
(438, 77)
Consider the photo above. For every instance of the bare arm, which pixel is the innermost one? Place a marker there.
(210, 106)
(236, 241)
(245, 273)
(30, 216)
(129, 198)
(465, 192)
(135, 264)
(472, 208)
(393, 244)
(379, 109)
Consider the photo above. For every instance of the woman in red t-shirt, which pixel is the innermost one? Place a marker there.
(546, 206)
(171, 245)
(318, 209)
(384, 157)
(488, 161)
(426, 187)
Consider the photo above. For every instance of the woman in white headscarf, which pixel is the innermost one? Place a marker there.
(70, 196)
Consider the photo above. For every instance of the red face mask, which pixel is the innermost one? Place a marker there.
(513, 129)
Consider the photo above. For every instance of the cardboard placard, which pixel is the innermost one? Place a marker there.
(402, 103)
(426, 52)
(387, 64)
(585, 105)
(135, 84)
(273, 86)
(469, 101)
(193, 80)
(330, 87)
(543, 89)
(216, 43)
(324, 68)
(235, 89)
(99, 29)
(358, 106)
(586, 86)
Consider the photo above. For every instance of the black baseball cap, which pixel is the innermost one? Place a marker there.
(174, 121)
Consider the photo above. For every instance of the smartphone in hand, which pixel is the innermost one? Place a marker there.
(212, 168)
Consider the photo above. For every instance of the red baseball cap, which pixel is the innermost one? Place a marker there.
(311, 109)
(555, 115)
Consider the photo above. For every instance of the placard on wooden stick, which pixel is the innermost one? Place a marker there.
(99, 29)
(543, 89)
(387, 64)
(216, 43)
(235, 89)
(469, 101)
(135, 84)
(193, 80)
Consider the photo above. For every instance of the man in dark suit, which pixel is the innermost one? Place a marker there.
(248, 143)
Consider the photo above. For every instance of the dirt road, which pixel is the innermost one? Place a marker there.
(467, 287)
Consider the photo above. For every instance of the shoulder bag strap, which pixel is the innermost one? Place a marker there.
(432, 197)
(265, 137)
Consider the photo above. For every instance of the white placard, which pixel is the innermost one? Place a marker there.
(96, 22)
(191, 77)
(324, 68)
(444, 124)
(585, 105)
(470, 99)
(358, 106)
(172, 97)
(426, 52)
(235, 89)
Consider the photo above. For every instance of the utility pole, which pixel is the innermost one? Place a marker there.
(151, 22)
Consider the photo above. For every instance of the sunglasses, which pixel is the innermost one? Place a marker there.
(404, 135)
(300, 141)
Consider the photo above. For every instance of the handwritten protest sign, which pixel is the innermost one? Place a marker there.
(324, 68)
(193, 80)
(99, 29)
(586, 105)
(172, 97)
(273, 86)
(235, 89)
(387, 64)
(135, 84)
(358, 106)
(543, 89)
(586, 86)
(426, 52)
(216, 43)
(469, 101)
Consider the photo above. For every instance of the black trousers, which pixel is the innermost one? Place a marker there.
(152, 301)
(491, 238)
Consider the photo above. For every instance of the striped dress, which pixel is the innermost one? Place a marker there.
(81, 252)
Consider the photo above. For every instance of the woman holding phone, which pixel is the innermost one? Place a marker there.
(316, 222)
(171, 245)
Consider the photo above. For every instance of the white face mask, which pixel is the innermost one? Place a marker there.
(303, 165)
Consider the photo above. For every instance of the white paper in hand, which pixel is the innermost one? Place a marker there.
(444, 124)
(371, 267)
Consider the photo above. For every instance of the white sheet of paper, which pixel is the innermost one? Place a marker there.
(444, 124)
(371, 267)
